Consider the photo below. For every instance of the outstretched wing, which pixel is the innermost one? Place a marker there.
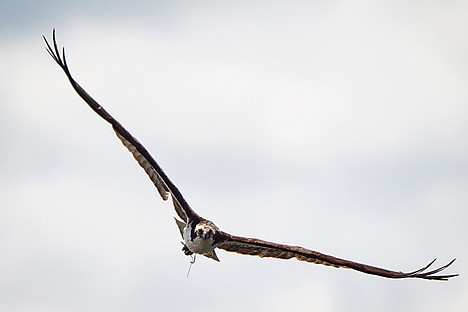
(261, 248)
(164, 186)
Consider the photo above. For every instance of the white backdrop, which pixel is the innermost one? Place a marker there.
(338, 126)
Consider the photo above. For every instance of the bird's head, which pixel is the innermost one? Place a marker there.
(204, 231)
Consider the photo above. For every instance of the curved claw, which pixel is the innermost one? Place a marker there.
(186, 251)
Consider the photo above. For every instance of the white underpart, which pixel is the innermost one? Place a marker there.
(199, 244)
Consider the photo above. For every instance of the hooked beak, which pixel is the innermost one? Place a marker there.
(206, 235)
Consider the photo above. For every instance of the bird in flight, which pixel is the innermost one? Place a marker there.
(201, 236)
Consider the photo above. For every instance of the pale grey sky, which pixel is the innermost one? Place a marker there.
(338, 126)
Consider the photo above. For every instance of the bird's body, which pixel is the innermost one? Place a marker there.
(201, 236)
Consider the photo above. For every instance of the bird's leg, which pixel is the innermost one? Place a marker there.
(186, 251)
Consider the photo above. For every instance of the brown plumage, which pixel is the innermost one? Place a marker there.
(193, 227)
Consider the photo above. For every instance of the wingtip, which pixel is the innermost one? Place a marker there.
(431, 274)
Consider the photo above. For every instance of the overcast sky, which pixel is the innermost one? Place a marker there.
(338, 126)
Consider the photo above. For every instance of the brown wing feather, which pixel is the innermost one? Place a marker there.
(261, 248)
(163, 184)
(149, 169)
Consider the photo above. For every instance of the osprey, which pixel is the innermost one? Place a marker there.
(201, 236)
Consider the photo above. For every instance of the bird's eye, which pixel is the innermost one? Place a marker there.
(200, 232)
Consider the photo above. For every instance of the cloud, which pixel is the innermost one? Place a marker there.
(338, 127)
